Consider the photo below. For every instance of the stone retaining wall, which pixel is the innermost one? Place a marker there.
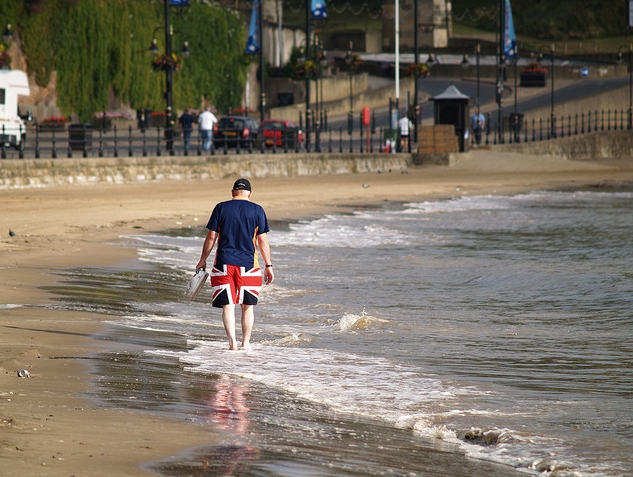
(49, 172)
(588, 147)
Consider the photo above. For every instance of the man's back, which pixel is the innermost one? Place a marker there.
(238, 222)
(207, 119)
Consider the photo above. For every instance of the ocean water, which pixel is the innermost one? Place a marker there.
(488, 335)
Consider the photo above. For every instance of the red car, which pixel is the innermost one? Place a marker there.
(281, 132)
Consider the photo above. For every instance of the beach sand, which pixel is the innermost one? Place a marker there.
(48, 424)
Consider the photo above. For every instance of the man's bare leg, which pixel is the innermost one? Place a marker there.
(228, 318)
(248, 318)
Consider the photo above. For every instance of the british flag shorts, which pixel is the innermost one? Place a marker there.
(233, 285)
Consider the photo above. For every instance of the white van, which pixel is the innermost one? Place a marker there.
(13, 83)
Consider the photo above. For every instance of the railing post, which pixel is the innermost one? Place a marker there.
(350, 129)
(22, 145)
(37, 141)
(4, 151)
(116, 144)
(340, 139)
(317, 135)
(54, 150)
(488, 125)
(329, 147)
(130, 153)
(360, 123)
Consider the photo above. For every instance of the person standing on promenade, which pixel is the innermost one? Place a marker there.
(240, 228)
(404, 127)
(478, 123)
(207, 120)
(186, 124)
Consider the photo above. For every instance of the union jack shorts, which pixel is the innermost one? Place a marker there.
(233, 285)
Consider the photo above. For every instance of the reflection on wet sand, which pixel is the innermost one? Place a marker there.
(228, 406)
(228, 411)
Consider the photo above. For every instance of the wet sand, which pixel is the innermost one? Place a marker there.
(49, 424)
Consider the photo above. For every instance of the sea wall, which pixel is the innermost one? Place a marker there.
(49, 172)
(588, 147)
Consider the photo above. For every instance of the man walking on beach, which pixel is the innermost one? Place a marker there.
(239, 227)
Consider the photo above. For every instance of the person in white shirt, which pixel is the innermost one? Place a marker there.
(206, 121)
(405, 126)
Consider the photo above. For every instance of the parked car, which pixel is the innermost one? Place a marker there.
(281, 132)
(231, 130)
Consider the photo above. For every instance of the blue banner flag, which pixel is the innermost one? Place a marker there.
(510, 51)
(179, 2)
(318, 9)
(252, 43)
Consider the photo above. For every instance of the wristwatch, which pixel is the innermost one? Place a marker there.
(269, 266)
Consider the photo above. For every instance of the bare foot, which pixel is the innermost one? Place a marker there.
(233, 346)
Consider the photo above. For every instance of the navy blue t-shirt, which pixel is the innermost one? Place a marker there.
(238, 223)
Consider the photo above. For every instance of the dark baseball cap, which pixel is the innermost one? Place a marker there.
(242, 184)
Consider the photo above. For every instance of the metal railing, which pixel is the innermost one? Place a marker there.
(353, 137)
(519, 129)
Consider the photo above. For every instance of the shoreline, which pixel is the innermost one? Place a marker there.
(47, 420)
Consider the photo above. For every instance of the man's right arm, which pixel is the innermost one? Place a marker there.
(207, 247)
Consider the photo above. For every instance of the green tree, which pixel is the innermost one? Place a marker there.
(98, 48)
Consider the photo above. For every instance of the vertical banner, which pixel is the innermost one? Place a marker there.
(318, 9)
(252, 43)
(630, 23)
(509, 37)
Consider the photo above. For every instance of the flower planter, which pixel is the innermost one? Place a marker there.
(52, 126)
(532, 79)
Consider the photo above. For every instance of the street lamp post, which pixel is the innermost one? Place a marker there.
(416, 60)
(478, 99)
(169, 67)
(477, 117)
(349, 59)
(169, 122)
(550, 49)
(323, 63)
(629, 48)
(308, 33)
